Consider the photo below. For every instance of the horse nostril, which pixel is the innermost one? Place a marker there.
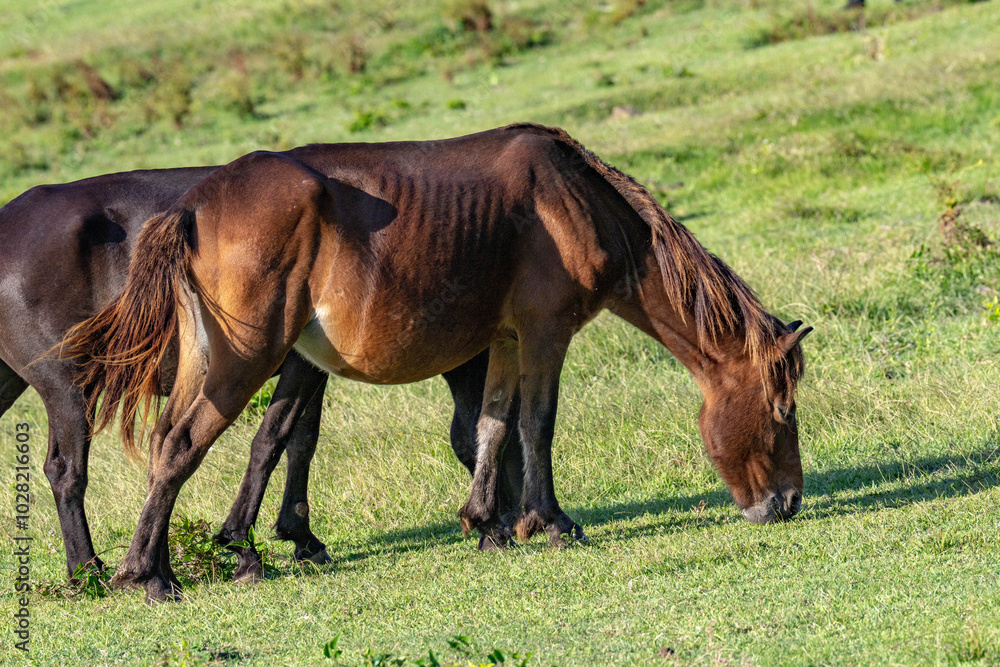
(794, 503)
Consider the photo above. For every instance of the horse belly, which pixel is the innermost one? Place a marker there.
(395, 351)
(315, 345)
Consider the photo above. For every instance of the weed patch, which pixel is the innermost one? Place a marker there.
(963, 263)
(459, 653)
(199, 559)
(808, 21)
(88, 582)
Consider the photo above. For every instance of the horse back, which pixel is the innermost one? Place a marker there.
(64, 251)
(472, 205)
(454, 240)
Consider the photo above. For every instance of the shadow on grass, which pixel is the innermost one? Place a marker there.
(671, 513)
(928, 478)
(946, 476)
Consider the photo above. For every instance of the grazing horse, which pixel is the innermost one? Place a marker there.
(64, 254)
(390, 263)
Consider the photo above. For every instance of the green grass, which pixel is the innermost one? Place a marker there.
(818, 166)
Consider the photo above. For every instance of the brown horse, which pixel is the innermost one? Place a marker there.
(408, 259)
(64, 255)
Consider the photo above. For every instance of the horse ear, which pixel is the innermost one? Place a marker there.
(792, 337)
(792, 326)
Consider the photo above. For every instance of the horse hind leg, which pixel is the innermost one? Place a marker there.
(65, 467)
(481, 511)
(292, 422)
(229, 385)
(187, 386)
(293, 517)
(67, 456)
(147, 561)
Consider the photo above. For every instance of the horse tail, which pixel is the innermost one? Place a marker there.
(120, 350)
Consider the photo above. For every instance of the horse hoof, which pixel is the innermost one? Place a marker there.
(249, 575)
(474, 515)
(487, 543)
(494, 541)
(158, 590)
(576, 534)
(320, 557)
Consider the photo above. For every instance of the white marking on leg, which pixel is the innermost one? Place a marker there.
(489, 433)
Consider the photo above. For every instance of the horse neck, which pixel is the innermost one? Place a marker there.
(650, 309)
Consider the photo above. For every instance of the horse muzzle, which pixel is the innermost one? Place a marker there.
(776, 507)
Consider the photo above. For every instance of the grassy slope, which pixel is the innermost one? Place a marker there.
(806, 164)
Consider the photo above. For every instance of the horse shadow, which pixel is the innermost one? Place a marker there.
(944, 476)
(932, 477)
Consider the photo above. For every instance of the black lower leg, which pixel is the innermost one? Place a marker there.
(539, 395)
(66, 469)
(293, 517)
(292, 422)
(510, 483)
(149, 551)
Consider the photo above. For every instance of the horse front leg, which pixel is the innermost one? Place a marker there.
(467, 384)
(541, 356)
(511, 480)
(481, 511)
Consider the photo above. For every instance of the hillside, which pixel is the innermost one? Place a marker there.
(815, 154)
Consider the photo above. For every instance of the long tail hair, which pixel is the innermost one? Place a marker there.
(120, 350)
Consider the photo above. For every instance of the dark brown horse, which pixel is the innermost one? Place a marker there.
(64, 254)
(391, 263)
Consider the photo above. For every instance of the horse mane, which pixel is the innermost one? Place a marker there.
(694, 278)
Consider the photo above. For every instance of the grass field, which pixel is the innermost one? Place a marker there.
(815, 155)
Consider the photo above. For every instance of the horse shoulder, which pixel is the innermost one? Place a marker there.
(560, 196)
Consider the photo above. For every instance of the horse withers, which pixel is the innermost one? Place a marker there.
(391, 263)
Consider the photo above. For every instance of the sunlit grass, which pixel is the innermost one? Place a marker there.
(810, 166)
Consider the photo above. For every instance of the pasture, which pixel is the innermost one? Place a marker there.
(848, 172)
